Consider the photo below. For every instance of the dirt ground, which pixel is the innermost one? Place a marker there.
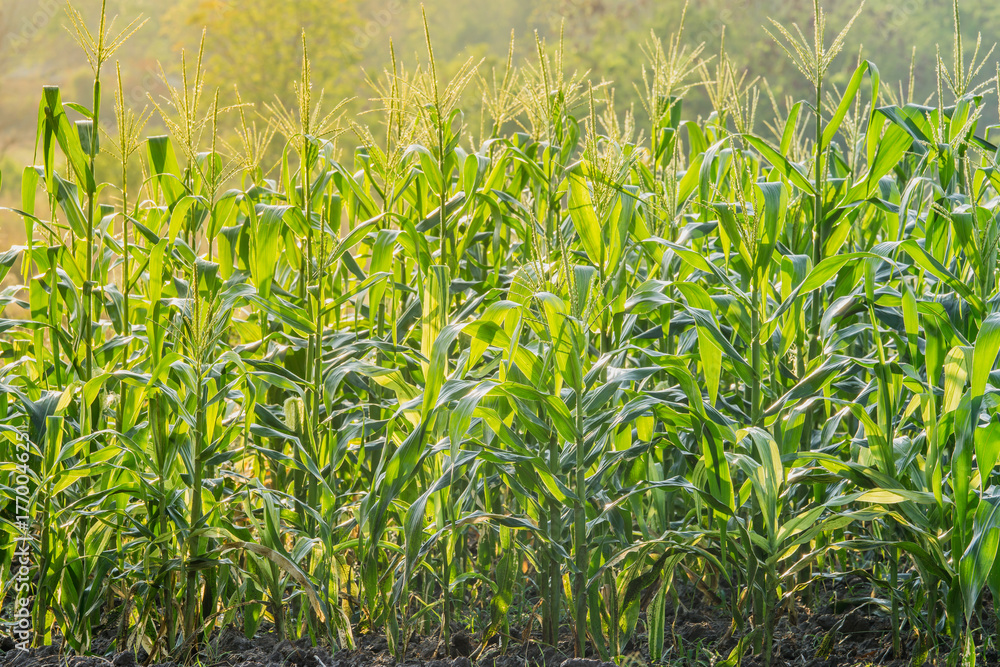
(846, 632)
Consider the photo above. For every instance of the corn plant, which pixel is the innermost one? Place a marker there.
(333, 375)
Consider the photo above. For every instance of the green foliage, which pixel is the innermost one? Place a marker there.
(369, 393)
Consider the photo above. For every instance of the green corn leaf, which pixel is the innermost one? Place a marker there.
(979, 556)
(56, 124)
(581, 209)
(793, 173)
(848, 98)
(985, 353)
(266, 246)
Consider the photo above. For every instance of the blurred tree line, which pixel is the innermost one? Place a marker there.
(256, 44)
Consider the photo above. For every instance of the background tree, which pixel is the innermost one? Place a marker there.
(257, 44)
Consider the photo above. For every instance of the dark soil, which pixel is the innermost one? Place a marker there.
(856, 639)
(843, 633)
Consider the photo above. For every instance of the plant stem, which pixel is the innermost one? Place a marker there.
(443, 193)
(817, 231)
(553, 578)
(755, 404)
(580, 532)
(194, 543)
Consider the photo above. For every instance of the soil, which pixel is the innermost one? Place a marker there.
(844, 633)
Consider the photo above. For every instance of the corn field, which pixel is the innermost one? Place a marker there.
(419, 372)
